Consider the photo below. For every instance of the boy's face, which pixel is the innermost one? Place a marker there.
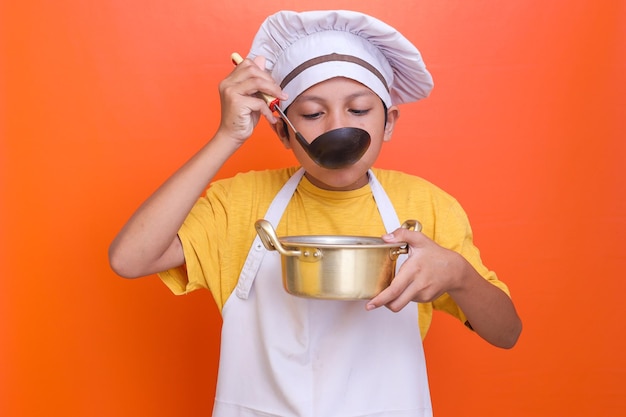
(332, 104)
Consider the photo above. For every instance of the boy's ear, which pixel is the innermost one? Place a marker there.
(281, 130)
(393, 114)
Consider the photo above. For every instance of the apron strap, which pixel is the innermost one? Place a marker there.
(385, 207)
(386, 210)
(273, 215)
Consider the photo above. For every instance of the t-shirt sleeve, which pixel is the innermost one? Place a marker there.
(200, 239)
(454, 232)
(218, 232)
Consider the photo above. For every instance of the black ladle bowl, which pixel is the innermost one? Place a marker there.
(337, 148)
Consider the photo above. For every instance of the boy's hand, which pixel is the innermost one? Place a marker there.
(429, 271)
(240, 108)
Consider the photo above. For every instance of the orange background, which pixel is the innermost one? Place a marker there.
(102, 100)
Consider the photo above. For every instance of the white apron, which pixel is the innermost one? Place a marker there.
(283, 355)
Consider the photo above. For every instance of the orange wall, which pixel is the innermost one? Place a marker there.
(101, 101)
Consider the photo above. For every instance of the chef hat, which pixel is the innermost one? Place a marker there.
(303, 49)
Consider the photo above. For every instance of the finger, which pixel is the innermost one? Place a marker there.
(243, 95)
(259, 60)
(263, 81)
(266, 84)
(389, 295)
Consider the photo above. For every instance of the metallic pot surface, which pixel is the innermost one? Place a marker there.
(334, 267)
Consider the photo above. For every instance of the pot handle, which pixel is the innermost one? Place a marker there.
(411, 225)
(266, 232)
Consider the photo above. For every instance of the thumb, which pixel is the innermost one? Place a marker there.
(397, 235)
(403, 235)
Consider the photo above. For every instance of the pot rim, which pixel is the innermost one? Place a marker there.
(338, 242)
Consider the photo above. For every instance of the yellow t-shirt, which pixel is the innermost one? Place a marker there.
(218, 233)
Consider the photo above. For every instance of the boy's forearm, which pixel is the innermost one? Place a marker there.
(148, 242)
(488, 309)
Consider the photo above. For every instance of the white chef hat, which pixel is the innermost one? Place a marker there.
(303, 49)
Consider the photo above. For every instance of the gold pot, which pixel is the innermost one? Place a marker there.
(335, 267)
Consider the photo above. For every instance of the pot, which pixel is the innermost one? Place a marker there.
(335, 267)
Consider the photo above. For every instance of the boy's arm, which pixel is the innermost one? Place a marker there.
(432, 270)
(148, 242)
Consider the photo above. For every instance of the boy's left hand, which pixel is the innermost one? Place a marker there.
(429, 271)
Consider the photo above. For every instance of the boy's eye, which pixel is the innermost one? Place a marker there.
(317, 115)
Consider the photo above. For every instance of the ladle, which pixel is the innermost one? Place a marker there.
(337, 148)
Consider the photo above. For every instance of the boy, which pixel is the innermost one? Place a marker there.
(288, 356)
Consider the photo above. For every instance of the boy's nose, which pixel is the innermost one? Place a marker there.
(335, 120)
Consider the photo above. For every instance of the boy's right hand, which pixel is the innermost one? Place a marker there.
(240, 107)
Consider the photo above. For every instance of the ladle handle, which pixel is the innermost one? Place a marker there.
(272, 102)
